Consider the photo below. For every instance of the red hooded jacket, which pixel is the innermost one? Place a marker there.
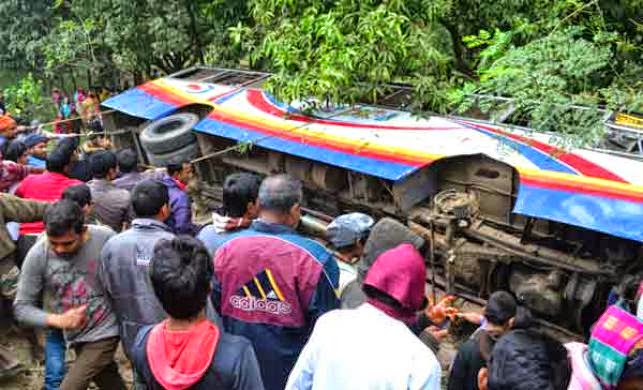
(400, 273)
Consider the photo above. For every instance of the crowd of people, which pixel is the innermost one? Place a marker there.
(82, 109)
(99, 254)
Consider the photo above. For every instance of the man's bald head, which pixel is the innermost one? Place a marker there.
(279, 194)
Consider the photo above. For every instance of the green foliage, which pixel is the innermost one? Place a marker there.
(71, 44)
(345, 51)
(550, 77)
(244, 148)
(24, 24)
(533, 60)
(544, 58)
(141, 37)
(495, 46)
(24, 97)
(224, 47)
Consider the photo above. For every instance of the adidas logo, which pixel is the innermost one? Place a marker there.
(262, 286)
(264, 305)
(261, 293)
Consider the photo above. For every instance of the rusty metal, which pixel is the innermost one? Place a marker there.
(317, 214)
(542, 289)
(412, 190)
(556, 331)
(481, 231)
(328, 178)
(455, 204)
(432, 258)
(532, 252)
(312, 226)
(526, 233)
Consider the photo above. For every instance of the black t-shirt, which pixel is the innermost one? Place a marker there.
(467, 364)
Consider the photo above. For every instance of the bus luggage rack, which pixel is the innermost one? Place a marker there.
(233, 77)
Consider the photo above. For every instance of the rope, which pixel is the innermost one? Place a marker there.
(52, 123)
(49, 134)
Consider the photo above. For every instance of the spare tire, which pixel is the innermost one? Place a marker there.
(186, 153)
(170, 133)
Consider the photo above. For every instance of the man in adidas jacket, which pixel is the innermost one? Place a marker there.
(271, 284)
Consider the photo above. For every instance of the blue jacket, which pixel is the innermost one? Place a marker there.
(270, 285)
(181, 208)
(233, 367)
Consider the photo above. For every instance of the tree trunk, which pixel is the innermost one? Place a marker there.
(458, 52)
(73, 81)
(89, 79)
(194, 31)
(61, 86)
(138, 78)
(61, 81)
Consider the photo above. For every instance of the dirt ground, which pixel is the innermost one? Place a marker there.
(32, 375)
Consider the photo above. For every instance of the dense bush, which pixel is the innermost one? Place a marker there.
(547, 57)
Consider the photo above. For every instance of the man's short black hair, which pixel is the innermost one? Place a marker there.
(62, 217)
(174, 168)
(69, 142)
(59, 158)
(500, 307)
(180, 272)
(148, 197)
(79, 193)
(21, 121)
(101, 162)
(95, 126)
(3, 149)
(127, 160)
(239, 189)
(14, 150)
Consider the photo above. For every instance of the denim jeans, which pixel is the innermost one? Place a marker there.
(54, 359)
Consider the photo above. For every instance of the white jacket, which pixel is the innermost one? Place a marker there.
(364, 348)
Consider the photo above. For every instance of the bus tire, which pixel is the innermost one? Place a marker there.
(170, 133)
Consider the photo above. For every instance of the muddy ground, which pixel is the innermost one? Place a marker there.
(32, 375)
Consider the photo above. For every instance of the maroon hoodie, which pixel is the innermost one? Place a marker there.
(400, 273)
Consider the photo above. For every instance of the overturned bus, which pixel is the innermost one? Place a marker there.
(505, 208)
